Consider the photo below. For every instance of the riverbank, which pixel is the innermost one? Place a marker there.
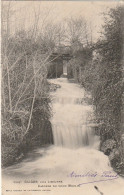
(75, 150)
(39, 133)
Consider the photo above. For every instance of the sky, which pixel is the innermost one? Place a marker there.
(59, 11)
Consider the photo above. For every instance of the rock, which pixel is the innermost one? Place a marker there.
(20, 157)
(107, 146)
(114, 154)
(54, 87)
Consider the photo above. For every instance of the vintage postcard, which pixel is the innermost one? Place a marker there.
(62, 97)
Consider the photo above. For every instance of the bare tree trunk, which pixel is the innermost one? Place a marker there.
(91, 32)
(9, 87)
(32, 106)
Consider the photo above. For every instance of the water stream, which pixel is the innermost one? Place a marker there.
(74, 158)
(71, 128)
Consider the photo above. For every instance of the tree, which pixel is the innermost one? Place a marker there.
(24, 72)
(77, 32)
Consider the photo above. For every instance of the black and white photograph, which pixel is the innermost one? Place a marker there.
(62, 97)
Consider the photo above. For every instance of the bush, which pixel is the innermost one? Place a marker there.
(101, 74)
(25, 95)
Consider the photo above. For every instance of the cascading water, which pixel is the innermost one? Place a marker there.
(73, 159)
(70, 121)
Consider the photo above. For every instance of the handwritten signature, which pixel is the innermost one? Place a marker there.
(100, 177)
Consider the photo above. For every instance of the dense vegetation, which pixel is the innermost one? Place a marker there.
(25, 96)
(99, 68)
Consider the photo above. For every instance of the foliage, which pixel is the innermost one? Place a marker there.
(108, 92)
(25, 91)
(82, 57)
(102, 75)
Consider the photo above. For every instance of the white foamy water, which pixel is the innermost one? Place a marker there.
(70, 121)
(73, 159)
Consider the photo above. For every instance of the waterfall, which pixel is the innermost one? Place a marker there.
(69, 122)
(73, 153)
